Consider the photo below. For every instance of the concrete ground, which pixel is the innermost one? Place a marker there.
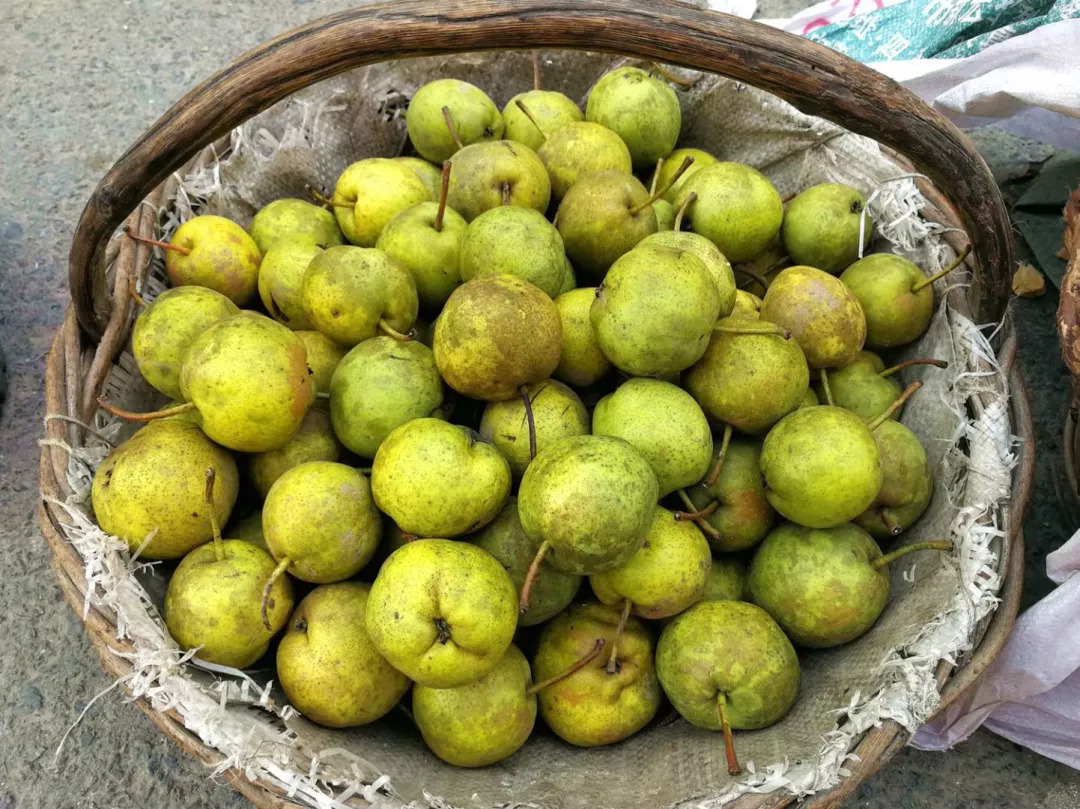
(79, 80)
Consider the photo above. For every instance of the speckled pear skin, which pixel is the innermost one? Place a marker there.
(747, 304)
(665, 576)
(859, 388)
(495, 334)
(744, 516)
(673, 162)
(167, 457)
(347, 290)
(591, 707)
(581, 362)
(314, 440)
(376, 190)
(907, 484)
(249, 379)
(822, 225)
(482, 169)
(578, 149)
(294, 219)
(442, 612)
(726, 582)
(895, 315)
(718, 266)
(475, 117)
(557, 413)
(655, 309)
(516, 241)
(223, 258)
(821, 313)
(731, 650)
(505, 539)
(165, 329)
(430, 175)
(642, 110)
(818, 583)
(431, 256)
(749, 381)
(550, 110)
(665, 424)
(323, 356)
(821, 466)
(379, 385)
(592, 498)
(321, 516)
(217, 605)
(280, 277)
(596, 223)
(479, 723)
(327, 664)
(436, 479)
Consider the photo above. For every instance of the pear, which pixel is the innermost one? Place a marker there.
(370, 193)
(655, 310)
(588, 500)
(749, 377)
(442, 612)
(552, 590)
(824, 586)
(581, 362)
(727, 665)
(746, 305)
(313, 441)
(165, 329)
(665, 215)
(823, 226)
(153, 483)
(569, 281)
(213, 252)
(248, 529)
(472, 115)
(578, 149)
(642, 110)
(821, 313)
(810, 399)
(293, 220)
(323, 356)
(495, 334)
(671, 163)
(556, 412)
(665, 424)
(592, 707)
(350, 293)
(866, 387)
(320, 522)
(743, 515)
(726, 582)
(430, 175)
(328, 666)
(757, 274)
(718, 266)
(510, 240)
(437, 479)
(487, 175)
(280, 276)
(907, 485)
(549, 111)
(736, 208)
(379, 385)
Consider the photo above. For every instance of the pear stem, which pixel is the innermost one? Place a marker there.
(656, 176)
(826, 389)
(909, 363)
(667, 75)
(903, 397)
(780, 262)
(753, 274)
(562, 675)
(733, 767)
(674, 178)
(927, 281)
(392, 332)
(536, 69)
(279, 571)
(219, 544)
(932, 545)
(524, 391)
(704, 527)
(133, 292)
(784, 200)
(714, 473)
(127, 415)
(613, 658)
(758, 327)
(682, 210)
(530, 577)
(450, 125)
(521, 106)
(184, 251)
(320, 197)
(506, 193)
(889, 521)
(322, 394)
(444, 191)
(686, 516)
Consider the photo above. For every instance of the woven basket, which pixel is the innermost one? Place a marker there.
(1069, 338)
(814, 79)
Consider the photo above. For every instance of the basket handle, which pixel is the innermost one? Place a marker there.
(814, 78)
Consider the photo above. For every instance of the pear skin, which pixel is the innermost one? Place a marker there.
(475, 118)
(578, 149)
(736, 208)
(323, 356)
(581, 362)
(642, 110)
(487, 175)
(726, 582)
(896, 312)
(314, 440)
(370, 193)
(294, 219)
(220, 255)
(822, 226)
(557, 413)
(718, 266)
(280, 277)
(518, 241)
(907, 484)
(550, 111)
(744, 515)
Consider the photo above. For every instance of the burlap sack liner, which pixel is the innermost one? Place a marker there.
(938, 601)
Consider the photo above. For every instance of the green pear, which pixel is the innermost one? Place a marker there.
(430, 175)
(293, 219)
(746, 305)
(743, 516)
(589, 501)
(665, 424)
(280, 276)
(718, 266)
(550, 112)
(510, 240)
(248, 529)
(821, 313)
(436, 479)
(323, 356)
(665, 215)
(907, 484)
(487, 175)
(153, 483)
(442, 612)
(165, 329)
(313, 441)
(864, 386)
(578, 149)
(552, 590)
(569, 281)
(214, 252)
(328, 666)
(672, 162)
(370, 193)
(810, 399)
(726, 582)
(642, 110)
(495, 334)
(320, 522)
(557, 412)
(350, 293)
(474, 116)
(655, 310)
(823, 226)
(581, 362)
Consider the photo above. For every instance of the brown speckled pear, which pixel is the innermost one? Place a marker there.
(860, 387)
(578, 149)
(718, 266)
(214, 252)
(294, 219)
(907, 484)
(557, 413)
(487, 175)
(727, 580)
(581, 362)
(512, 240)
(314, 440)
(474, 115)
(744, 515)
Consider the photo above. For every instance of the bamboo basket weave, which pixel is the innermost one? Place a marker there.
(959, 192)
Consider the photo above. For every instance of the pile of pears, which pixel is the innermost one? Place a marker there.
(501, 423)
